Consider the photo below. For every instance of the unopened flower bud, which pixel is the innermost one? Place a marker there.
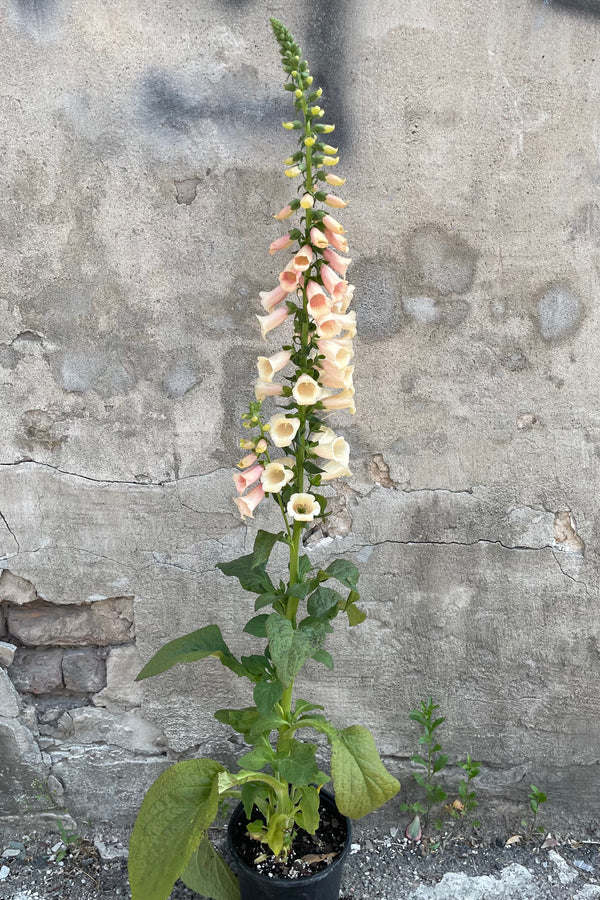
(314, 111)
(327, 129)
(298, 93)
(294, 74)
(309, 80)
(331, 160)
(293, 172)
(309, 141)
(289, 161)
(334, 180)
(331, 151)
(307, 202)
(261, 445)
(284, 213)
(247, 444)
(318, 92)
(289, 126)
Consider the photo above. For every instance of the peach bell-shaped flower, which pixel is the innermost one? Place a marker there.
(280, 243)
(264, 389)
(303, 259)
(335, 202)
(248, 504)
(270, 299)
(338, 263)
(247, 460)
(243, 480)
(303, 507)
(267, 323)
(333, 225)
(337, 240)
(333, 283)
(286, 212)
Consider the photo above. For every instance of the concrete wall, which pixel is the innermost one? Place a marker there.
(140, 164)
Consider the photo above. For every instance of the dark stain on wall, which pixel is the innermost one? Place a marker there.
(586, 7)
(327, 54)
(35, 11)
(232, 102)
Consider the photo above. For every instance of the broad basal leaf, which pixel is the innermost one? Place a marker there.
(360, 779)
(207, 873)
(173, 819)
(207, 641)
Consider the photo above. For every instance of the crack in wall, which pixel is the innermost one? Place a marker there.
(138, 484)
(13, 535)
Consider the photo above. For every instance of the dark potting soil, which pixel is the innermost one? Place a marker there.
(310, 853)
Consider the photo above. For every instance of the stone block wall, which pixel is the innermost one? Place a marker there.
(141, 165)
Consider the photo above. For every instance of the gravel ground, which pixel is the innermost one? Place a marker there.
(380, 867)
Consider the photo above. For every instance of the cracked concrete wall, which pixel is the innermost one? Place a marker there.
(140, 167)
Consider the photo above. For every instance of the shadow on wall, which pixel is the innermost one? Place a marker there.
(588, 7)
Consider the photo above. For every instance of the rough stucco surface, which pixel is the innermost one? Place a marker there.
(140, 167)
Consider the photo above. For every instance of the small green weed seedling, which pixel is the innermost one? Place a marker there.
(467, 795)
(69, 839)
(433, 761)
(536, 798)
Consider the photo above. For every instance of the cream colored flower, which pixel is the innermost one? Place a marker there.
(334, 377)
(283, 430)
(339, 352)
(331, 446)
(334, 324)
(268, 365)
(306, 391)
(317, 238)
(343, 400)
(275, 477)
(303, 507)
(334, 469)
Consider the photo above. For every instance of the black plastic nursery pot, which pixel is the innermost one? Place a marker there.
(323, 885)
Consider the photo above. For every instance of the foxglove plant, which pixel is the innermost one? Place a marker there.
(289, 455)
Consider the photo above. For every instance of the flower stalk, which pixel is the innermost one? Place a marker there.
(287, 458)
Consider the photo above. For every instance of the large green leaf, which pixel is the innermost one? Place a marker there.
(266, 695)
(263, 544)
(300, 767)
(324, 601)
(251, 577)
(361, 782)
(173, 819)
(291, 648)
(344, 571)
(207, 873)
(207, 641)
(242, 720)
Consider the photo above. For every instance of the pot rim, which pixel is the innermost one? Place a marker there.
(285, 883)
